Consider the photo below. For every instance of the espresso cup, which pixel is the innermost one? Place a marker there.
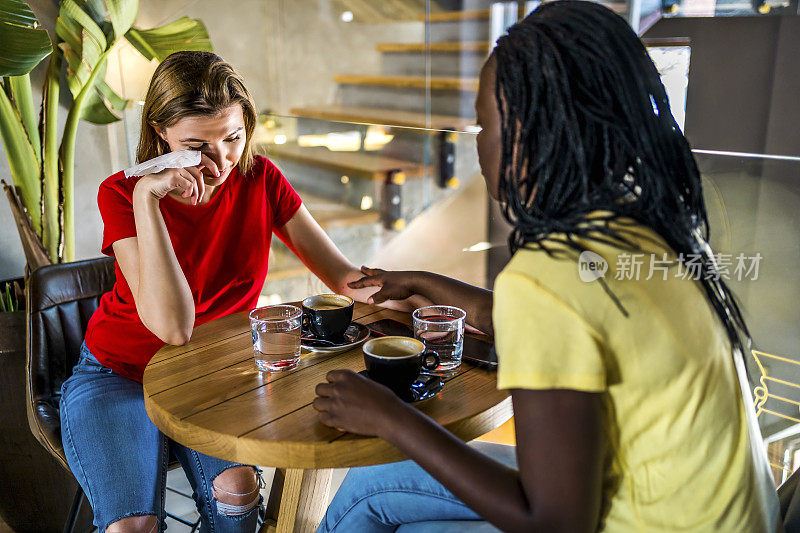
(397, 361)
(328, 315)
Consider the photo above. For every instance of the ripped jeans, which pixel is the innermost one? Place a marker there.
(120, 458)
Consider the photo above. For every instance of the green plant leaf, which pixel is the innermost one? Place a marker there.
(84, 42)
(51, 221)
(69, 31)
(9, 300)
(113, 99)
(17, 12)
(23, 45)
(137, 41)
(22, 160)
(181, 34)
(96, 111)
(67, 157)
(23, 99)
(99, 103)
(122, 14)
(94, 8)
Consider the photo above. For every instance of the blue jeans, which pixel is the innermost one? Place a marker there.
(384, 497)
(120, 458)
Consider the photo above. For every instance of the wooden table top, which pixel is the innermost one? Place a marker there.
(208, 395)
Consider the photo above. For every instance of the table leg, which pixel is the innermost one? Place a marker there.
(304, 500)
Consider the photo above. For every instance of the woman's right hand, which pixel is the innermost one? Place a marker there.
(186, 181)
(394, 285)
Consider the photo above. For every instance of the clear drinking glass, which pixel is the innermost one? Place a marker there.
(276, 337)
(441, 328)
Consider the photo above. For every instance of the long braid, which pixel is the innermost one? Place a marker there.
(586, 126)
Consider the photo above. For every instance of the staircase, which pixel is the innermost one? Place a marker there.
(364, 196)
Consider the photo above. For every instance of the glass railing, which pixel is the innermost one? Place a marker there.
(377, 192)
(755, 231)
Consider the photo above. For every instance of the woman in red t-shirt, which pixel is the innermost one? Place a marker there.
(191, 244)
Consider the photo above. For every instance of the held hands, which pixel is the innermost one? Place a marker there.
(395, 285)
(350, 402)
(187, 181)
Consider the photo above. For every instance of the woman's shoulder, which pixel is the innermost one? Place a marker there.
(115, 180)
(262, 166)
(117, 185)
(542, 264)
(558, 276)
(262, 172)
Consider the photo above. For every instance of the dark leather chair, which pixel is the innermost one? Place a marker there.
(60, 301)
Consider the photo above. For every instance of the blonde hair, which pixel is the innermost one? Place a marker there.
(192, 83)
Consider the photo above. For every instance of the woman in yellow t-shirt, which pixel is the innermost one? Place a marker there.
(613, 331)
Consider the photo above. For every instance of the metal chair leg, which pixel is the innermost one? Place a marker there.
(72, 519)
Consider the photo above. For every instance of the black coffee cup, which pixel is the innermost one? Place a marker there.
(397, 361)
(328, 315)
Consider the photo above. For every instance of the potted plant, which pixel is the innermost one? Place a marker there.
(76, 36)
(42, 168)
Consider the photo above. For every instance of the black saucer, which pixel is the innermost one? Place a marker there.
(356, 334)
(425, 386)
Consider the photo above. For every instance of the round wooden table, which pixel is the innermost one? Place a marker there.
(208, 395)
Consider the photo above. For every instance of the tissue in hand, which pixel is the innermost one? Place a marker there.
(179, 159)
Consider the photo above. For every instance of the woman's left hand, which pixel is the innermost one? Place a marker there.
(351, 402)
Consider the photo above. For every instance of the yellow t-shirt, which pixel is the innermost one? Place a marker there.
(680, 456)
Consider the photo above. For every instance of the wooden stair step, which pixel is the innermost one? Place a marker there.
(415, 82)
(482, 14)
(450, 16)
(362, 165)
(485, 46)
(332, 214)
(621, 8)
(384, 117)
(460, 46)
(666, 42)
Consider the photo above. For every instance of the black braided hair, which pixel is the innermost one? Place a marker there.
(586, 126)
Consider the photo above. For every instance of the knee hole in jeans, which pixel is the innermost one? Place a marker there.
(134, 524)
(236, 490)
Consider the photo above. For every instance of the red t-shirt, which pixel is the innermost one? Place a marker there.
(222, 248)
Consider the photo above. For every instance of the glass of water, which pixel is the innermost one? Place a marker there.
(441, 328)
(276, 337)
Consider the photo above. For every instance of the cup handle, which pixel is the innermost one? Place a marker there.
(425, 360)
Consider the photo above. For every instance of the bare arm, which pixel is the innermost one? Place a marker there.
(561, 445)
(309, 242)
(160, 290)
(560, 449)
(435, 288)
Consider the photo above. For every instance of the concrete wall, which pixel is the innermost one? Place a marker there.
(287, 52)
